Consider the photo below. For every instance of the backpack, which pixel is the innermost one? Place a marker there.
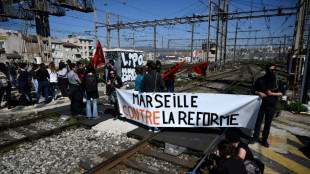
(91, 83)
(4, 82)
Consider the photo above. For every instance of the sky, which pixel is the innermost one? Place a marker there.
(179, 35)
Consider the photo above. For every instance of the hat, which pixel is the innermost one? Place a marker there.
(233, 137)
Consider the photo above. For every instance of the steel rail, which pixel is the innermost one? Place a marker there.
(106, 165)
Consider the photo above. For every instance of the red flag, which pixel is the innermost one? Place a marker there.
(171, 72)
(99, 56)
(201, 68)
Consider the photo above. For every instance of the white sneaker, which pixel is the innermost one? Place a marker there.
(156, 130)
(149, 129)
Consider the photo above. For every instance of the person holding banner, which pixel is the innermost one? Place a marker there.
(269, 88)
(113, 82)
(152, 82)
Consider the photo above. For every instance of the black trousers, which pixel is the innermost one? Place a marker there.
(268, 112)
(76, 97)
(63, 84)
(7, 90)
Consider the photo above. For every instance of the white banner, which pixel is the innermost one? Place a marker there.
(189, 109)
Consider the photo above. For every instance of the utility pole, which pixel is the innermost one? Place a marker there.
(154, 42)
(279, 51)
(118, 33)
(162, 42)
(225, 40)
(108, 30)
(192, 41)
(133, 39)
(222, 34)
(299, 34)
(96, 31)
(217, 34)
(209, 28)
(306, 76)
(168, 47)
(235, 42)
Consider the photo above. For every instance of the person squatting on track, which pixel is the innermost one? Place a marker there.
(228, 161)
(75, 91)
(252, 165)
(90, 85)
(152, 82)
(113, 82)
(269, 88)
(5, 84)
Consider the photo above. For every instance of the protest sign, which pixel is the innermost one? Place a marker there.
(189, 109)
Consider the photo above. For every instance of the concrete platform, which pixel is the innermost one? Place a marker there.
(194, 139)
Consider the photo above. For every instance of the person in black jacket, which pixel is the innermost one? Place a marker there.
(152, 81)
(229, 162)
(113, 82)
(42, 76)
(90, 86)
(269, 88)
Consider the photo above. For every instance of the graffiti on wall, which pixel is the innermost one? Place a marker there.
(129, 62)
(111, 54)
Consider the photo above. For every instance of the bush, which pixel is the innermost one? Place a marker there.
(297, 107)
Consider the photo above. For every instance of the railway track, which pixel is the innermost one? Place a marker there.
(33, 128)
(133, 159)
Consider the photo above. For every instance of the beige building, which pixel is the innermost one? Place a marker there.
(71, 52)
(57, 50)
(86, 45)
(10, 45)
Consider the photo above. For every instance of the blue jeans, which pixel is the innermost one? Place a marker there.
(14, 80)
(35, 84)
(42, 86)
(88, 108)
(53, 87)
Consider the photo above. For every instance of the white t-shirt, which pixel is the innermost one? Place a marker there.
(53, 76)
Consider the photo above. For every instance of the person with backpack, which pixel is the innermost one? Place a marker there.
(5, 84)
(90, 85)
(152, 82)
